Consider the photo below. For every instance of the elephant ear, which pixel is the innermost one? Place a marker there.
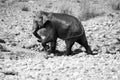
(48, 23)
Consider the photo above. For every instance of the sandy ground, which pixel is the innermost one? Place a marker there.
(21, 57)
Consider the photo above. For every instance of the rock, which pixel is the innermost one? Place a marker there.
(2, 41)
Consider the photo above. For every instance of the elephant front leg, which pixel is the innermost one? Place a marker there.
(52, 47)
